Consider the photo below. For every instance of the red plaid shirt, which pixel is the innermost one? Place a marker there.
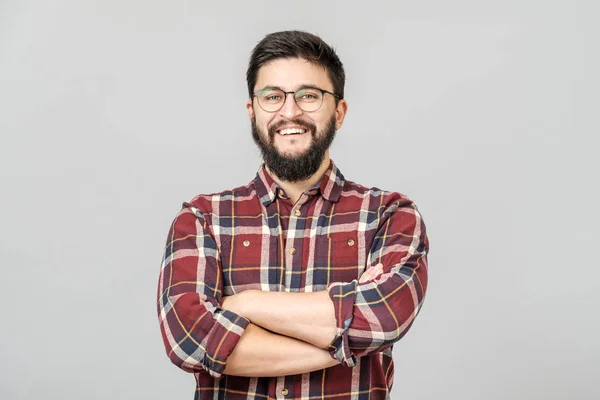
(253, 237)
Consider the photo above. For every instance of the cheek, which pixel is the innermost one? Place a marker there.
(263, 121)
(323, 123)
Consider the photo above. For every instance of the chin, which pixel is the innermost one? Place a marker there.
(292, 150)
(293, 154)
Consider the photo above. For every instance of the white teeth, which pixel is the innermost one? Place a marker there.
(291, 131)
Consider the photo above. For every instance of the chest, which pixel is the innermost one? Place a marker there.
(299, 248)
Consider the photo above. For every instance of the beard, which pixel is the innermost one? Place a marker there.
(294, 168)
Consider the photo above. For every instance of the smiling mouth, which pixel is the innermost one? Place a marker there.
(292, 131)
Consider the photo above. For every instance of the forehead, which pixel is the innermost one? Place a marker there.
(289, 73)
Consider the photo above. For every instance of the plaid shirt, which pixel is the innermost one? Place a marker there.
(253, 237)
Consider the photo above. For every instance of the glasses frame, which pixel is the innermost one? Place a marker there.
(285, 96)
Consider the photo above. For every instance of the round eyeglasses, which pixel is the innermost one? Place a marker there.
(307, 99)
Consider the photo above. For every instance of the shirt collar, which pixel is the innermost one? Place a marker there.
(330, 186)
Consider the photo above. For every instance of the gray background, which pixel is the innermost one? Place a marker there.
(485, 113)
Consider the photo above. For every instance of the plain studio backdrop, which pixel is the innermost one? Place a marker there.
(485, 113)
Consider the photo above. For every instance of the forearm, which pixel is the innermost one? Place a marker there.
(260, 353)
(305, 316)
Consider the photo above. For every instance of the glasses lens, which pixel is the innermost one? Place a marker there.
(270, 99)
(309, 99)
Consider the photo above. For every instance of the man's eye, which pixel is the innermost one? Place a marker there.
(273, 97)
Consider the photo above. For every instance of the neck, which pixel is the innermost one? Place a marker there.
(295, 189)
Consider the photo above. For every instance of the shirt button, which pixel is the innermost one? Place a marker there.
(284, 392)
(246, 243)
(297, 213)
(293, 251)
(350, 242)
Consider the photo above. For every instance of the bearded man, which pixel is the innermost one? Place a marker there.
(296, 285)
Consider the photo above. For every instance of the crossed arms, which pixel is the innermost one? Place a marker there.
(258, 333)
(301, 325)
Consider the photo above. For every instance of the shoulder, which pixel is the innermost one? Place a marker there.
(376, 197)
(207, 204)
(390, 210)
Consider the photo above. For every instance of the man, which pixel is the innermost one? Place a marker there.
(297, 284)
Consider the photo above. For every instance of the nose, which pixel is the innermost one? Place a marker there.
(290, 109)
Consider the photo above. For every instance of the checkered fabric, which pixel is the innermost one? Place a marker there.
(253, 237)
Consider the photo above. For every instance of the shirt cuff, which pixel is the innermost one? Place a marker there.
(343, 296)
(224, 337)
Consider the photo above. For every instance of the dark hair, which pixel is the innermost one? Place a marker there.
(296, 44)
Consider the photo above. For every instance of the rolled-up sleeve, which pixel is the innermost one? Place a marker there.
(374, 315)
(197, 334)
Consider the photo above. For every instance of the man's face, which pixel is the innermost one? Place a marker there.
(295, 156)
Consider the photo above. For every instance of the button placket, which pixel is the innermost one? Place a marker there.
(281, 391)
(291, 249)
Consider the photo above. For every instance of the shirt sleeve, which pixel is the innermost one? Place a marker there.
(197, 333)
(373, 315)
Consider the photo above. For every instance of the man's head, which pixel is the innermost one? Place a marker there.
(294, 130)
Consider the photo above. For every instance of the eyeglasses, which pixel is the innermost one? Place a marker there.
(307, 99)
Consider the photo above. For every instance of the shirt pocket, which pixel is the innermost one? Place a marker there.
(245, 260)
(336, 259)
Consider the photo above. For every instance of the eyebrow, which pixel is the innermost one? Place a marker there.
(299, 87)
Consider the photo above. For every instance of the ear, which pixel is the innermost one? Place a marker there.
(250, 109)
(340, 113)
